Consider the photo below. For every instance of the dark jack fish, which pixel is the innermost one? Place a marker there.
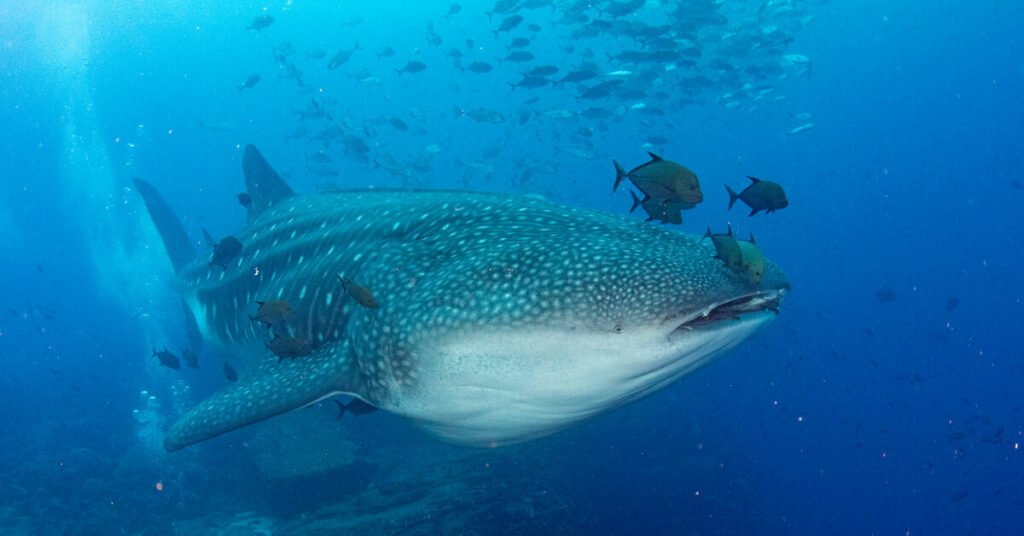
(359, 293)
(726, 249)
(753, 260)
(518, 56)
(342, 57)
(478, 67)
(250, 82)
(273, 313)
(508, 24)
(741, 256)
(453, 9)
(223, 251)
(662, 180)
(167, 359)
(260, 22)
(288, 347)
(760, 195)
(356, 407)
(658, 211)
(412, 67)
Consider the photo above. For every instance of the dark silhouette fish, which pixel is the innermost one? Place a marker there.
(273, 313)
(662, 180)
(658, 210)
(753, 264)
(478, 67)
(530, 82)
(508, 24)
(397, 124)
(342, 57)
(166, 359)
(760, 195)
(453, 9)
(518, 56)
(519, 42)
(288, 347)
(577, 76)
(223, 251)
(260, 22)
(741, 256)
(359, 293)
(543, 70)
(727, 249)
(356, 407)
(412, 67)
(250, 82)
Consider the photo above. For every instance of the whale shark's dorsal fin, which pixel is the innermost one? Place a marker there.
(176, 241)
(272, 389)
(265, 187)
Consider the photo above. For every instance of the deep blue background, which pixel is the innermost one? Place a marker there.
(849, 415)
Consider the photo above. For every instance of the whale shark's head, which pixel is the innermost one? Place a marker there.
(531, 325)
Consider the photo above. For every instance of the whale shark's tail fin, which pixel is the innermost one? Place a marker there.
(271, 391)
(264, 186)
(176, 240)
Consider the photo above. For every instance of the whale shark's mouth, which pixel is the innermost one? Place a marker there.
(730, 310)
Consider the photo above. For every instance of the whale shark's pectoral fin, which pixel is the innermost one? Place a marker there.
(273, 389)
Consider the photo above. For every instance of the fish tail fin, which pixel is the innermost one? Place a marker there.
(620, 175)
(264, 186)
(636, 201)
(733, 196)
(176, 242)
(341, 410)
(208, 238)
(277, 388)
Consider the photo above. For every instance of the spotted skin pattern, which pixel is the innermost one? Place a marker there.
(441, 265)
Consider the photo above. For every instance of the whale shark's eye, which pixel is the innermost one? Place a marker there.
(618, 328)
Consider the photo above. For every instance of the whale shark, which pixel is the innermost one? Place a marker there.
(499, 318)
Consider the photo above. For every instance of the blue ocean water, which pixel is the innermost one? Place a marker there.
(884, 399)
